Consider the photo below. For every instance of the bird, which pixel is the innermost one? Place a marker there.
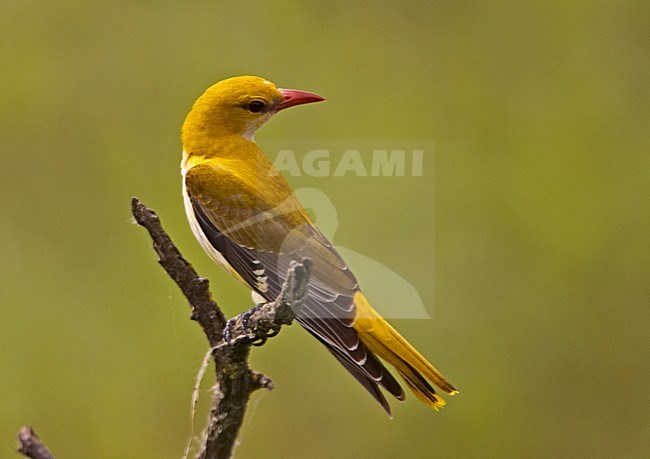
(246, 217)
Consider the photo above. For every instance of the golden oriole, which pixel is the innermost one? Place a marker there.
(246, 217)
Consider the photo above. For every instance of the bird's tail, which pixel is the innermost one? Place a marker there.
(387, 343)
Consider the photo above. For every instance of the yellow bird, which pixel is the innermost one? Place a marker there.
(246, 217)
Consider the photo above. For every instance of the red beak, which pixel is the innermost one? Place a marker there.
(294, 97)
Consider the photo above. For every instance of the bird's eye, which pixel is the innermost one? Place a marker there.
(256, 106)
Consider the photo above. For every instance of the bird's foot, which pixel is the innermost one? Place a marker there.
(259, 341)
(255, 335)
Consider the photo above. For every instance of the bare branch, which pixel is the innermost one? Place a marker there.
(31, 445)
(195, 288)
(231, 339)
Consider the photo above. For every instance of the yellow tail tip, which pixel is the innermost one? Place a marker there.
(431, 400)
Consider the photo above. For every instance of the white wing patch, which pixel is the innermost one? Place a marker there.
(261, 279)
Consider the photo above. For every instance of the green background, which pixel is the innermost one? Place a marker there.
(527, 236)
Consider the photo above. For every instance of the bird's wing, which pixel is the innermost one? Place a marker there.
(259, 227)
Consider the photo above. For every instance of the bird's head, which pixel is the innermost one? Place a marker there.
(240, 106)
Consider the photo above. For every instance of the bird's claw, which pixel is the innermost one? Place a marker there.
(259, 341)
(272, 333)
(256, 337)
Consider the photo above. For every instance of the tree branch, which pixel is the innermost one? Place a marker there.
(195, 288)
(231, 339)
(31, 445)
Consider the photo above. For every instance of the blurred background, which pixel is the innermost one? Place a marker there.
(527, 236)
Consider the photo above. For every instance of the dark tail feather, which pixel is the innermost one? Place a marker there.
(369, 384)
(365, 367)
(362, 372)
